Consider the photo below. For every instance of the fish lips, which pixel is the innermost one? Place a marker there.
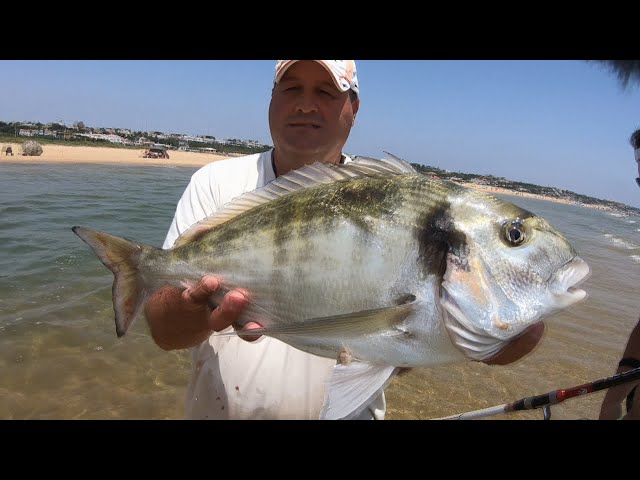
(563, 283)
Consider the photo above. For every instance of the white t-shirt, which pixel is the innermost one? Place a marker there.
(232, 378)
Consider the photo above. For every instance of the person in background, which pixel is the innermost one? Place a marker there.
(611, 407)
(314, 104)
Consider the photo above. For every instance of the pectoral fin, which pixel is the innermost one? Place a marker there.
(353, 387)
(346, 325)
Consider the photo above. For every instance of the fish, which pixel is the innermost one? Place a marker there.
(371, 263)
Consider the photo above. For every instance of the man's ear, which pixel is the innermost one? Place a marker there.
(356, 106)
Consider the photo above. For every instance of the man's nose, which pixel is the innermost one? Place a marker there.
(307, 103)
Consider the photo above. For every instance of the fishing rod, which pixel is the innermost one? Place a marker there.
(551, 398)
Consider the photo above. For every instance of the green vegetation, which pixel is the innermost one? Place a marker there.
(57, 134)
(490, 180)
(75, 142)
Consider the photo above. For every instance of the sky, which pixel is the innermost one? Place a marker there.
(558, 123)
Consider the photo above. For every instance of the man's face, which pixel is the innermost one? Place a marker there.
(308, 114)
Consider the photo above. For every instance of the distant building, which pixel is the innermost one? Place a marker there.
(108, 137)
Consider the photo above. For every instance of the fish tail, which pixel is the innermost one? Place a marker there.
(122, 257)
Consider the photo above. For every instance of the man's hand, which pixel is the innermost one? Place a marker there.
(615, 398)
(519, 347)
(183, 318)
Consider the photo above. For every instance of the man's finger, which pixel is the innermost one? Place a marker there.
(228, 311)
(247, 328)
(201, 291)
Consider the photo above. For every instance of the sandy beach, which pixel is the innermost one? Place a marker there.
(125, 156)
(505, 191)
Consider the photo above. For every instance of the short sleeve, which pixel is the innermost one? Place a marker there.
(199, 200)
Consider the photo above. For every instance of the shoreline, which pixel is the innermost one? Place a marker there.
(63, 154)
(506, 191)
(70, 155)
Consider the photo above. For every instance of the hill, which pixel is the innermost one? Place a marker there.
(552, 192)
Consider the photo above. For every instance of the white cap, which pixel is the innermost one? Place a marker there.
(343, 72)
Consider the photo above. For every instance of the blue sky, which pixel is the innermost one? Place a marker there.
(558, 123)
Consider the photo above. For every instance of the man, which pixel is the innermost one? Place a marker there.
(611, 407)
(313, 106)
(635, 143)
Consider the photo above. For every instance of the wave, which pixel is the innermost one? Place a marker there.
(620, 242)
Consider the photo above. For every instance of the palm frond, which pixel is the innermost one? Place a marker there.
(627, 71)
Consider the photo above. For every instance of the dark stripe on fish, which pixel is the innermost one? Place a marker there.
(438, 238)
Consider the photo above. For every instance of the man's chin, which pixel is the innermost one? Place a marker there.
(304, 148)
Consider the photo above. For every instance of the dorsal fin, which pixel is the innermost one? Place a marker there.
(296, 180)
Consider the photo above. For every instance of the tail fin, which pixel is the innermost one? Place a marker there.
(122, 257)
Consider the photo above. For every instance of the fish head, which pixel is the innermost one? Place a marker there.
(511, 270)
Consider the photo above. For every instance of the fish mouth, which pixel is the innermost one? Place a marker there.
(474, 342)
(564, 283)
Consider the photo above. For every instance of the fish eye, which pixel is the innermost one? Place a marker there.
(515, 232)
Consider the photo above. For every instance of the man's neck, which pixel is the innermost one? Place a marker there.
(284, 163)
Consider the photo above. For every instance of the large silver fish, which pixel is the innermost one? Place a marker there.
(371, 263)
